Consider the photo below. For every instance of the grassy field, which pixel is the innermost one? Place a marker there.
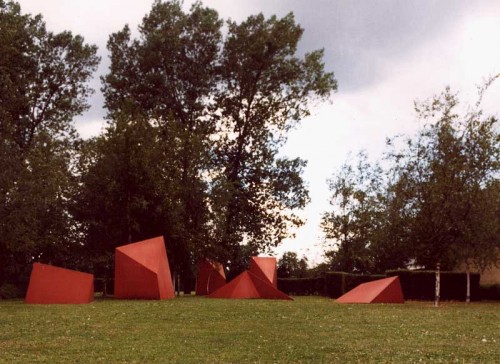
(194, 329)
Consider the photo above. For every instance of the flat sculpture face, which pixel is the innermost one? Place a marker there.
(265, 268)
(142, 271)
(386, 290)
(211, 277)
(55, 285)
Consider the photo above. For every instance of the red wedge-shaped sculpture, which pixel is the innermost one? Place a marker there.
(142, 271)
(249, 285)
(210, 277)
(386, 290)
(265, 268)
(49, 284)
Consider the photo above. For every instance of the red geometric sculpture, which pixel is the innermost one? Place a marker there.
(142, 271)
(249, 285)
(210, 277)
(386, 290)
(49, 284)
(265, 268)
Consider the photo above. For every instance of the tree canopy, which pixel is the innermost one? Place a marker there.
(43, 85)
(436, 202)
(195, 122)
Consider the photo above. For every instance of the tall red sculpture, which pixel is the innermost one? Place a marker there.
(249, 285)
(210, 277)
(386, 290)
(265, 268)
(49, 284)
(142, 271)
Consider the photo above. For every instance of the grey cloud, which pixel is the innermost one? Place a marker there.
(360, 35)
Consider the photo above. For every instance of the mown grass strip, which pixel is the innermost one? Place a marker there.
(194, 329)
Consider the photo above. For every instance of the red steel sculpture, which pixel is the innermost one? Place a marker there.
(142, 271)
(49, 284)
(265, 268)
(210, 277)
(386, 290)
(259, 282)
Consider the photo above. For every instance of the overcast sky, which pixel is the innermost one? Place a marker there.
(385, 54)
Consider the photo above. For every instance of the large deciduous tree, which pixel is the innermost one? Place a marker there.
(264, 90)
(222, 108)
(356, 228)
(167, 78)
(446, 174)
(42, 87)
(439, 203)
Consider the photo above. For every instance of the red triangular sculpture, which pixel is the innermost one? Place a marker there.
(265, 268)
(210, 277)
(386, 290)
(49, 284)
(142, 271)
(249, 285)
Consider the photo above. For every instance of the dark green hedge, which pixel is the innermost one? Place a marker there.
(332, 284)
(302, 286)
(420, 285)
(338, 283)
(490, 292)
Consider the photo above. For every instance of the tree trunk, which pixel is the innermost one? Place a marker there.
(467, 271)
(438, 285)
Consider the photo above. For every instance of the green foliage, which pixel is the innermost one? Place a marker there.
(436, 201)
(43, 85)
(289, 266)
(355, 224)
(447, 186)
(9, 291)
(164, 80)
(200, 330)
(221, 108)
(120, 198)
(264, 91)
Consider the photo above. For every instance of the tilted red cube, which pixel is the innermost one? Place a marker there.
(142, 271)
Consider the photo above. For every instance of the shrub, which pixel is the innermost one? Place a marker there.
(8, 291)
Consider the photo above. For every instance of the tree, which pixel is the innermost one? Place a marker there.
(446, 185)
(120, 197)
(43, 85)
(356, 223)
(223, 107)
(437, 204)
(166, 78)
(264, 91)
(289, 266)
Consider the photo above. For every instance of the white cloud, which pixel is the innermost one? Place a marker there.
(90, 128)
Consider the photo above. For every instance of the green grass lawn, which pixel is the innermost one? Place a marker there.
(194, 329)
